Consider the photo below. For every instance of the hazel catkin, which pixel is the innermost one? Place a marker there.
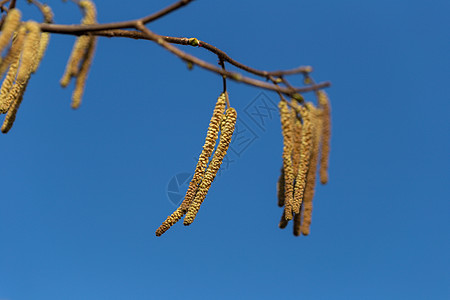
(316, 123)
(324, 104)
(300, 180)
(213, 167)
(287, 132)
(12, 22)
(29, 53)
(208, 148)
(170, 221)
(81, 56)
(11, 62)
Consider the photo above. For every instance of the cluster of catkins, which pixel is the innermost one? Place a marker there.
(306, 138)
(27, 45)
(222, 121)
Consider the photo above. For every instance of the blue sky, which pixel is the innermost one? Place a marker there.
(83, 191)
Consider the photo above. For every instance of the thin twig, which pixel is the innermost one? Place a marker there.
(224, 78)
(232, 75)
(221, 54)
(73, 29)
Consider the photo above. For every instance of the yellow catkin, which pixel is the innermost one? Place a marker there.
(80, 82)
(47, 12)
(297, 223)
(300, 180)
(29, 53)
(324, 104)
(81, 47)
(296, 155)
(316, 122)
(12, 111)
(280, 189)
(208, 148)
(12, 60)
(283, 222)
(224, 142)
(43, 43)
(170, 221)
(12, 22)
(286, 128)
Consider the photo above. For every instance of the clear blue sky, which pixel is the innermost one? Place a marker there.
(83, 191)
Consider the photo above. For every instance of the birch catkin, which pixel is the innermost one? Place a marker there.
(324, 104)
(286, 127)
(208, 148)
(311, 176)
(300, 180)
(224, 142)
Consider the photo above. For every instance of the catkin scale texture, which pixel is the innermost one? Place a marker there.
(286, 128)
(12, 61)
(300, 181)
(208, 148)
(324, 104)
(29, 54)
(170, 221)
(213, 167)
(12, 22)
(311, 176)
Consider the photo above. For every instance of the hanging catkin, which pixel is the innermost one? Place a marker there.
(280, 188)
(324, 104)
(286, 128)
(283, 222)
(12, 22)
(296, 154)
(208, 148)
(82, 54)
(300, 180)
(29, 55)
(12, 60)
(170, 221)
(316, 122)
(224, 142)
(298, 222)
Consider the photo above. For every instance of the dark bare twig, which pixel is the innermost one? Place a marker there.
(221, 54)
(224, 78)
(80, 29)
(232, 75)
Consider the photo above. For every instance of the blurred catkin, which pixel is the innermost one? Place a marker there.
(298, 222)
(12, 22)
(81, 56)
(306, 145)
(280, 188)
(224, 142)
(29, 55)
(316, 122)
(324, 104)
(11, 61)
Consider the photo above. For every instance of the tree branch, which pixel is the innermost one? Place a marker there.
(82, 29)
(232, 75)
